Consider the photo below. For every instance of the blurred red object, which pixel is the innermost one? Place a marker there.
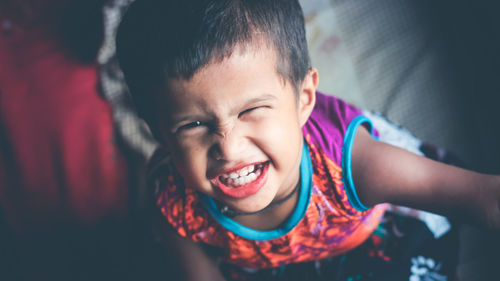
(59, 161)
(63, 177)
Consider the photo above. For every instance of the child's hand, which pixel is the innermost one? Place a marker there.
(188, 262)
(488, 203)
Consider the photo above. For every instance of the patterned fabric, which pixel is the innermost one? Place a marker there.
(330, 227)
(403, 247)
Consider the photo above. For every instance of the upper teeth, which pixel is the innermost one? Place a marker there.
(241, 173)
(243, 176)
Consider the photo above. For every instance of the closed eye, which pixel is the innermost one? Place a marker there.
(247, 111)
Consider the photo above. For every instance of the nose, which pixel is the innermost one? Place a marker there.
(228, 144)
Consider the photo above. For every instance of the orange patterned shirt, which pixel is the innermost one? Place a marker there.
(327, 220)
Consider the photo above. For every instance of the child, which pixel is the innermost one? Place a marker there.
(254, 161)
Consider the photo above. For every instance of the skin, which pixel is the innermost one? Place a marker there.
(233, 114)
(186, 260)
(384, 173)
(247, 111)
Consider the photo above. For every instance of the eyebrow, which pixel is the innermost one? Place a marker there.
(265, 97)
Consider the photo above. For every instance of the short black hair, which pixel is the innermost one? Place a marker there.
(162, 39)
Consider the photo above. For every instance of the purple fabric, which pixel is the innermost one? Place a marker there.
(328, 123)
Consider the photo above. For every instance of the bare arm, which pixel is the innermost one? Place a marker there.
(188, 261)
(384, 173)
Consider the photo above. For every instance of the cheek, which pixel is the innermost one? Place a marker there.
(280, 136)
(189, 159)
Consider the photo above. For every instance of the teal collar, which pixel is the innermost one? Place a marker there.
(289, 224)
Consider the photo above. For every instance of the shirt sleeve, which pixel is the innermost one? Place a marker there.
(331, 129)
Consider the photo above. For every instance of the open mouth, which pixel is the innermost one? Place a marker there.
(243, 182)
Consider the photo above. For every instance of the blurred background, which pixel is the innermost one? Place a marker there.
(73, 202)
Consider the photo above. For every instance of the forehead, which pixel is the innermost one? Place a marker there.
(249, 70)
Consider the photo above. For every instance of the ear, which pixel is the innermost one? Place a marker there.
(307, 94)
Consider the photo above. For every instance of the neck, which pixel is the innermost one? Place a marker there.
(272, 217)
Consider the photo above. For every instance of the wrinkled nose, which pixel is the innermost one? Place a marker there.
(228, 145)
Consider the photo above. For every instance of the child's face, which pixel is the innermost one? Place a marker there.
(234, 129)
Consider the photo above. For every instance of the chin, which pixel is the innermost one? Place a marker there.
(250, 206)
